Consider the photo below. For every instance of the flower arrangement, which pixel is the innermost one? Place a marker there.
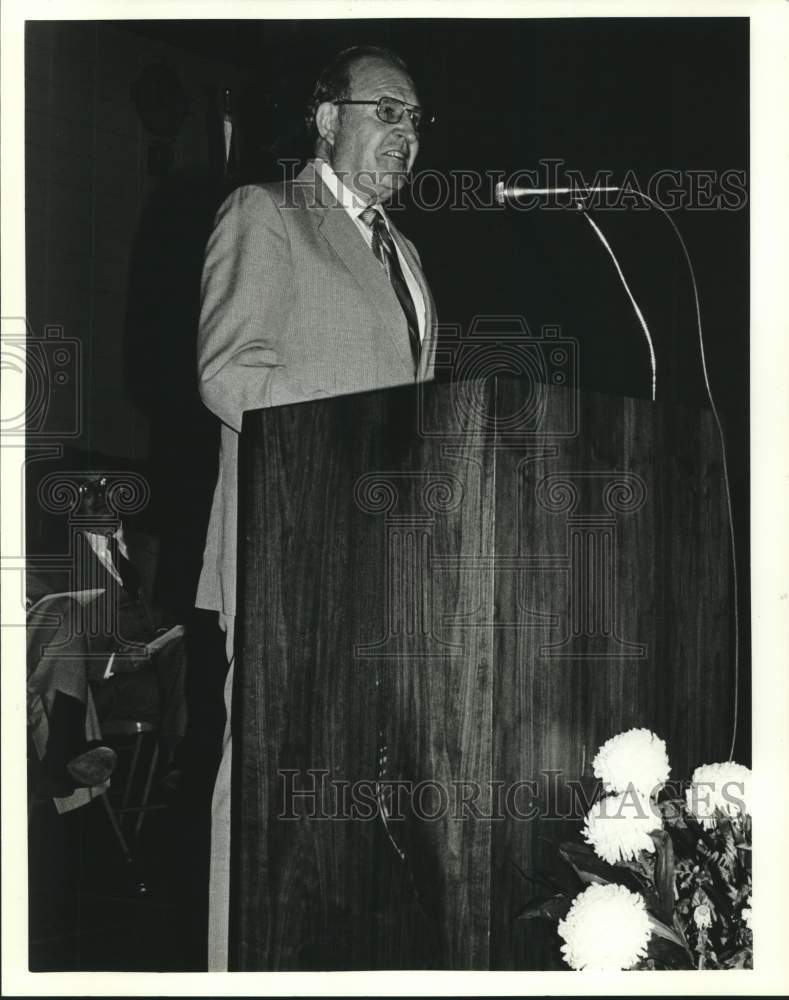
(661, 882)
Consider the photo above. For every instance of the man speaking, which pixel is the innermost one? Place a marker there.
(308, 290)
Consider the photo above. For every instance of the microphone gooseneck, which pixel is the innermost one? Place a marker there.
(513, 193)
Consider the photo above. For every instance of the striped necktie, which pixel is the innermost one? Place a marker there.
(384, 249)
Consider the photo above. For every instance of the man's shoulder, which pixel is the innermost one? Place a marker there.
(249, 197)
(302, 190)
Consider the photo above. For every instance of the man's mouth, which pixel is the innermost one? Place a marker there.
(397, 155)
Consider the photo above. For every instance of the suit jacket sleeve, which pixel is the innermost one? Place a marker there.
(247, 294)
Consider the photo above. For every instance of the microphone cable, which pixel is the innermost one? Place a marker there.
(724, 462)
(716, 415)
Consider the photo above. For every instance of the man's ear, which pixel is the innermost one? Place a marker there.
(326, 121)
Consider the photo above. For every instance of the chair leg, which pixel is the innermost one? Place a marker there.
(132, 771)
(116, 827)
(147, 792)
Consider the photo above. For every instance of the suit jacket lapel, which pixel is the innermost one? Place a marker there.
(340, 231)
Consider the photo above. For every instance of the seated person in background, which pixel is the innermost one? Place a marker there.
(97, 653)
(61, 713)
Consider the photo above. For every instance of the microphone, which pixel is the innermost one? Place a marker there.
(505, 195)
(513, 192)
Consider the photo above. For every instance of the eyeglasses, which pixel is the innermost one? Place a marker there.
(390, 111)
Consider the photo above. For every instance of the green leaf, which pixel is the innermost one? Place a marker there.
(663, 931)
(555, 908)
(664, 874)
(544, 880)
(591, 869)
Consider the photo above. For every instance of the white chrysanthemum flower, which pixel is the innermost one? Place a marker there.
(635, 759)
(719, 789)
(607, 928)
(618, 826)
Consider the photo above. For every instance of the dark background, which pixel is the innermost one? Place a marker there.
(124, 174)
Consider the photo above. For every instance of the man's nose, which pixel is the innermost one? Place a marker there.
(405, 127)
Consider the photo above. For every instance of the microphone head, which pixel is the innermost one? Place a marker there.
(505, 195)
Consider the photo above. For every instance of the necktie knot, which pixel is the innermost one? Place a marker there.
(370, 216)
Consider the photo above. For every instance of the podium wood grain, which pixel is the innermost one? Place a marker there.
(340, 680)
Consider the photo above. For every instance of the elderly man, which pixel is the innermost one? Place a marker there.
(309, 290)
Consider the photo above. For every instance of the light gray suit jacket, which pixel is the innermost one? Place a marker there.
(294, 307)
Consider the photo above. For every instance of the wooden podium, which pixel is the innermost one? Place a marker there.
(450, 596)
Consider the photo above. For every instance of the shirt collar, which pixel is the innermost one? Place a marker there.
(353, 205)
(101, 542)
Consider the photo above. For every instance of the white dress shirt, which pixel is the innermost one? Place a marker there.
(101, 547)
(354, 207)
